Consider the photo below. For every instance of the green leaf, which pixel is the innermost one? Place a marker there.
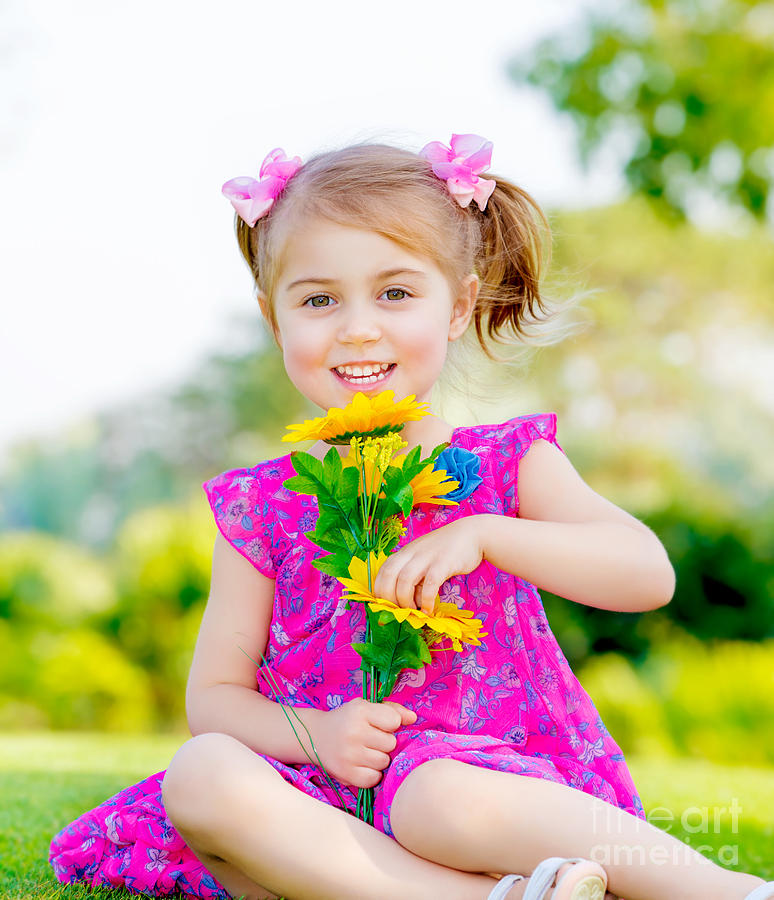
(332, 469)
(412, 457)
(406, 499)
(352, 545)
(395, 485)
(386, 508)
(336, 540)
(437, 452)
(400, 646)
(301, 484)
(328, 519)
(336, 564)
(345, 507)
(394, 477)
(348, 483)
(374, 655)
(414, 465)
(325, 542)
(306, 464)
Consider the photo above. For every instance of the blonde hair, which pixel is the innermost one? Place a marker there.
(394, 193)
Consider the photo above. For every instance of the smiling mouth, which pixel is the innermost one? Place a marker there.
(356, 374)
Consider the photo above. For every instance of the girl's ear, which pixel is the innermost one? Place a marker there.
(264, 304)
(464, 305)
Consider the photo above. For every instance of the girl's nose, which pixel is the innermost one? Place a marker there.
(359, 325)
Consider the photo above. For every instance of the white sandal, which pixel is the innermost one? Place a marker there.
(586, 880)
(762, 892)
(500, 891)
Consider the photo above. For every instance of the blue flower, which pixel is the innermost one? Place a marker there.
(462, 466)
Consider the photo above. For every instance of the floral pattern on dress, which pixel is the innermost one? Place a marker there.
(511, 704)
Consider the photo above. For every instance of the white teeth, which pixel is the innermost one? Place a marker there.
(364, 374)
(362, 370)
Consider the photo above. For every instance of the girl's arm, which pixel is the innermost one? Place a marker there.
(221, 694)
(573, 542)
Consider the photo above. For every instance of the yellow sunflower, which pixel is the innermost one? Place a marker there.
(365, 415)
(429, 486)
(446, 618)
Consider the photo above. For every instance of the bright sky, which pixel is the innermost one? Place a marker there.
(120, 122)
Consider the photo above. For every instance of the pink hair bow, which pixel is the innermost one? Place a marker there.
(253, 198)
(460, 165)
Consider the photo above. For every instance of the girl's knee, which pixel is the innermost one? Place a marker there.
(430, 783)
(196, 772)
(423, 793)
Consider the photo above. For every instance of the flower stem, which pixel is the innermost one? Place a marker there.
(365, 796)
(280, 698)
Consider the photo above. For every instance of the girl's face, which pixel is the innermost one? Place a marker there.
(348, 299)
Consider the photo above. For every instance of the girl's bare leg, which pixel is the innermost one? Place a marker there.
(481, 820)
(262, 837)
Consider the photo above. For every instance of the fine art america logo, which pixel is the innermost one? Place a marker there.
(666, 849)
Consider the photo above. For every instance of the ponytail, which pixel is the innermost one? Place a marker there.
(509, 263)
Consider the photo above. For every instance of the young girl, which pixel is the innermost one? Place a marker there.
(493, 773)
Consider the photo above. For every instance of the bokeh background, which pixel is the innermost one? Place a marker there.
(135, 365)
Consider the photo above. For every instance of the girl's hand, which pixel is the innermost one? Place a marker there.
(354, 740)
(412, 576)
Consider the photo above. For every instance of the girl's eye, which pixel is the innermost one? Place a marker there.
(391, 292)
(310, 301)
(395, 295)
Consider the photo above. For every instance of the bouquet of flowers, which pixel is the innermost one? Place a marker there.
(363, 500)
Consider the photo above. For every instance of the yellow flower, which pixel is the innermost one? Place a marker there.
(357, 583)
(373, 453)
(393, 528)
(446, 619)
(365, 415)
(429, 486)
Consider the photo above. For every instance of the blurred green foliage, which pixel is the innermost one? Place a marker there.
(104, 642)
(682, 91)
(712, 699)
(162, 558)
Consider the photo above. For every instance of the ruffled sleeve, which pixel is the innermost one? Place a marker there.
(518, 436)
(243, 516)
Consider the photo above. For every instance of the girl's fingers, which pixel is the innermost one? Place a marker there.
(406, 584)
(384, 583)
(430, 586)
(410, 581)
(387, 716)
(375, 759)
(418, 590)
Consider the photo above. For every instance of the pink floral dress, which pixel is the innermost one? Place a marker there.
(511, 704)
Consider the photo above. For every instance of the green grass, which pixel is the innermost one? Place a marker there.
(49, 779)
